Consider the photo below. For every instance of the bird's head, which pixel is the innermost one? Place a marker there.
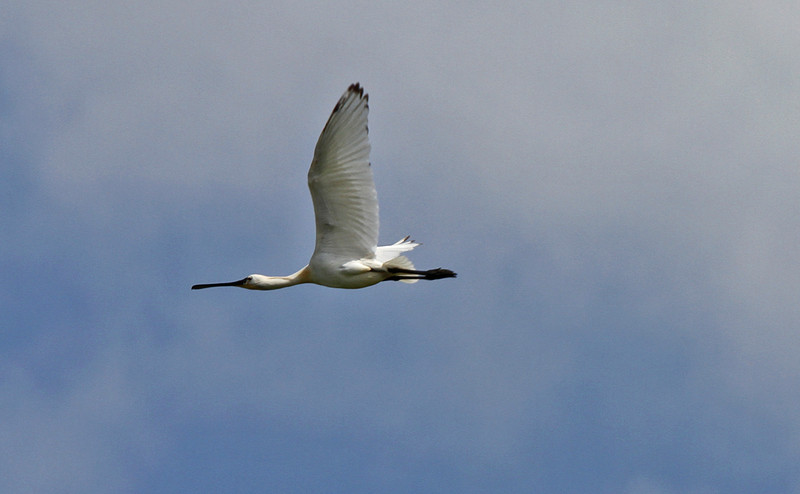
(252, 282)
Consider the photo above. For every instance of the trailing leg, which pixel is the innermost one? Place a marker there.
(412, 274)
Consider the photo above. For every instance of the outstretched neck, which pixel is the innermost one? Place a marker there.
(261, 282)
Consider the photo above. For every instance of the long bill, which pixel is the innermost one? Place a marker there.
(211, 285)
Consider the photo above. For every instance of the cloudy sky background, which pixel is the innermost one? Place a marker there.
(616, 184)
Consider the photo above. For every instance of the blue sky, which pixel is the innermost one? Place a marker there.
(615, 183)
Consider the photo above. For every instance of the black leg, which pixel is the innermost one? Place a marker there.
(431, 274)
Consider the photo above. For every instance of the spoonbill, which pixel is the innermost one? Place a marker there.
(346, 254)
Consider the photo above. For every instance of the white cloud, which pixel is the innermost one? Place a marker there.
(615, 185)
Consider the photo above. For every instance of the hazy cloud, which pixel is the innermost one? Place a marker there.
(616, 185)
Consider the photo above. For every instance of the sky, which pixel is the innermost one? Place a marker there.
(616, 184)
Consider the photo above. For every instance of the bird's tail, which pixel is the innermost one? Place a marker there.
(386, 253)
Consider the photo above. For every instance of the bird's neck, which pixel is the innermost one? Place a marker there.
(261, 282)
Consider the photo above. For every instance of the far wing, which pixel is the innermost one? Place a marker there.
(341, 184)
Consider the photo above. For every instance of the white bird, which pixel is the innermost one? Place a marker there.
(346, 254)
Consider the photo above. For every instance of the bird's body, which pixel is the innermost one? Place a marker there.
(346, 254)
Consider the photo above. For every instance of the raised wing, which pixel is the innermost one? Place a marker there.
(341, 184)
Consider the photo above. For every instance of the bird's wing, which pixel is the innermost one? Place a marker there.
(340, 180)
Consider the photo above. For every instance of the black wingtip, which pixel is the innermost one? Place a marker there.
(353, 88)
(357, 88)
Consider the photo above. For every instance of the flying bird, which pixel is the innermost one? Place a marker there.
(346, 254)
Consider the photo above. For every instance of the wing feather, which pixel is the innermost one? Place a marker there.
(341, 184)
